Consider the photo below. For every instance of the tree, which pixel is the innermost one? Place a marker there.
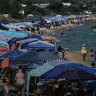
(56, 6)
(16, 7)
(5, 7)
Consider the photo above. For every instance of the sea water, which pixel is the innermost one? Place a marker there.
(74, 37)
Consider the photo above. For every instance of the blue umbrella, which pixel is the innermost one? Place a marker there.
(13, 53)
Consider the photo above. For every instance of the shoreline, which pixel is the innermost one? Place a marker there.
(73, 56)
(58, 27)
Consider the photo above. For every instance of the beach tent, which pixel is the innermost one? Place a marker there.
(37, 72)
(31, 19)
(54, 68)
(13, 53)
(62, 72)
(33, 56)
(40, 45)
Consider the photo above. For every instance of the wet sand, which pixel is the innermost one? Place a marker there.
(77, 58)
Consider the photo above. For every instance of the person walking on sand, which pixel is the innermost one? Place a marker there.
(84, 53)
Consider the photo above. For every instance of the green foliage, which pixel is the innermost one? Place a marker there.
(5, 6)
(56, 6)
(14, 6)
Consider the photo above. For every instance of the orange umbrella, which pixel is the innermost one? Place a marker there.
(48, 38)
(5, 63)
(22, 26)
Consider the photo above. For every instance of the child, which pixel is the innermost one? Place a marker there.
(91, 53)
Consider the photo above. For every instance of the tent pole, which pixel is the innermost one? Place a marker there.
(35, 81)
(28, 82)
(55, 45)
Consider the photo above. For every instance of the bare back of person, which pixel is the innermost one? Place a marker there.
(20, 80)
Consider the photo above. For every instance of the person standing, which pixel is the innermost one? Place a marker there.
(20, 80)
(84, 53)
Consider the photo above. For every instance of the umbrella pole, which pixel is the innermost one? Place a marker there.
(35, 81)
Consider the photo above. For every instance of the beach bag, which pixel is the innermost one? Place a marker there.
(83, 51)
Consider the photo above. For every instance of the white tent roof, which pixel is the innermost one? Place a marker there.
(44, 42)
(40, 70)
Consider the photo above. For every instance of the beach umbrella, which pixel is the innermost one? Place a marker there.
(22, 26)
(49, 38)
(5, 63)
(27, 25)
(12, 53)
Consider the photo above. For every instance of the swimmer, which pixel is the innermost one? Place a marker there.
(90, 33)
(78, 30)
(62, 31)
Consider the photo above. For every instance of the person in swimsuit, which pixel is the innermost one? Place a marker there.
(20, 76)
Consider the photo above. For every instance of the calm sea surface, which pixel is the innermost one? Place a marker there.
(76, 36)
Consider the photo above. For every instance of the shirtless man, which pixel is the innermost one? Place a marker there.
(20, 80)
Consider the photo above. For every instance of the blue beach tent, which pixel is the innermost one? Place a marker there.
(68, 74)
(40, 45)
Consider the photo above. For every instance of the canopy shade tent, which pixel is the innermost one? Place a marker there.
(31, 19)
(33, 56)
(64, 72)
(38, 72)
(58, 69)
(76, 75)
(12, 53)
(68, 66)
(40, 45)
